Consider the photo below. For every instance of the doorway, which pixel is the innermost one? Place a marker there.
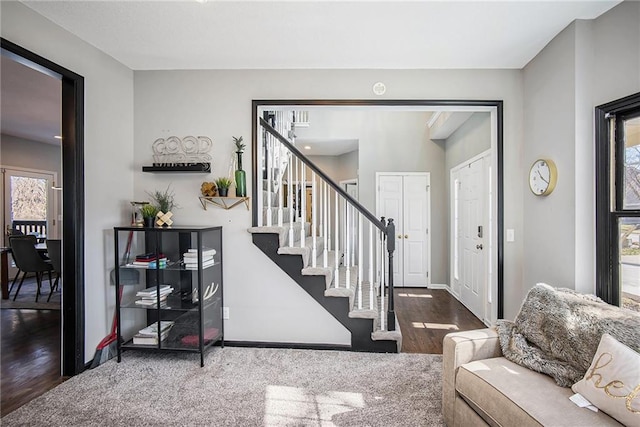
(494, 109)
(72, 143)
(405, 197)
(471, 235)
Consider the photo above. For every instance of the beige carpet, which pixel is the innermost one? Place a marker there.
(246, 387)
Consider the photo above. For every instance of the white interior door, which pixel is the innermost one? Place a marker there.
(405, 198)
(390, 206)
(473, 219)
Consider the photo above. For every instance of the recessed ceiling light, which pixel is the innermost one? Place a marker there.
(57, 137)
(307, 147)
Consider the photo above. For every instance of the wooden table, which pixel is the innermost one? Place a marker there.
(4, 268)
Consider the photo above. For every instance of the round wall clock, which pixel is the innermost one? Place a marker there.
(542, 177)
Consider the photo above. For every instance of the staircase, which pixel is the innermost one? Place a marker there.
(333, 247)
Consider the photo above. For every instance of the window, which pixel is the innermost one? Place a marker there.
(618, 202)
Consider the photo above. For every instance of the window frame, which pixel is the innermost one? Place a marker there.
(609, 193)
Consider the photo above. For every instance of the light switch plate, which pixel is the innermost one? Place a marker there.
(511, 235)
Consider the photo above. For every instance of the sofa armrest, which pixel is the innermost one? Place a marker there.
(460, 348)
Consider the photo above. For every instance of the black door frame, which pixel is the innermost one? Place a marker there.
(72, 144)
(498, 105)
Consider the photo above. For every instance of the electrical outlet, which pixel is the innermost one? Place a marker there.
(225, 313)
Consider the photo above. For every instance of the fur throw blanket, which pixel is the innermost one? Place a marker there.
(557, 332)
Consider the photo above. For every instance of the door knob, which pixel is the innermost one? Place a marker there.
(399, 236)
(479, 246)
(406, 236)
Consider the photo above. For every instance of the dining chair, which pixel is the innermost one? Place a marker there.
(13, 232)
(54, 250)
(27, 259)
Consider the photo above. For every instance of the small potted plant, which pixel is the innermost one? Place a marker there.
(223, 184)
(149, 213)
(165, 202)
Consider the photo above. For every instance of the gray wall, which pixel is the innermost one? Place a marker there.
(338, 168)
(24, 153)
(587, 64)
(28, 154)
(108, 132)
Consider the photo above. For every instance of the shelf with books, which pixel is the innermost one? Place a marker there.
(180, 271)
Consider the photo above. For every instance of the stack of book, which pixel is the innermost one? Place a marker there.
(149, 296)
(191, 258)
(150, 260)
(149, 335)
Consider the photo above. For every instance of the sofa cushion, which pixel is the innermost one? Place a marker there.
(612, 382)
(507, 394)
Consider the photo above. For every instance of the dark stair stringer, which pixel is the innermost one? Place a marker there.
(315, 286)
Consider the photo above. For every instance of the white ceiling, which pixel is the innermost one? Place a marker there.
(31, 103)
(218, 34)
(221, 34)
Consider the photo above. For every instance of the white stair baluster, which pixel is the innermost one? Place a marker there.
(328, 216)
(347, 257)
(358, 219)
(371, 279)
(325, 224)
(382, 283)
(290, 197)
(336, 240)
(269, 176)
(314, 220)
(303, 203)
(280, 173)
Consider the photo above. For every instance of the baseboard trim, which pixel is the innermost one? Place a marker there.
(439, 286)
(296, 346)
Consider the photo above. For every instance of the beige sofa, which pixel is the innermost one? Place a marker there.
(480, 387)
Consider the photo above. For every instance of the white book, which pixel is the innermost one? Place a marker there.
(194, 266)
(152, 329)
(188, 260)
(152, 292)
(139, 339)
(205, 252)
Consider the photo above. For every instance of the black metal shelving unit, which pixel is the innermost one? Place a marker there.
(193, 307)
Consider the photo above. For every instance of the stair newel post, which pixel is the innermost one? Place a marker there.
(383, 280)
(391, 247)
(314, 220)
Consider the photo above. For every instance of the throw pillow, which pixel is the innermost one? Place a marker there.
(612, 382)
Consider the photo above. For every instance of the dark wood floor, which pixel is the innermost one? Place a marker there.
(427, 315)
(30, 355)
(31, 340)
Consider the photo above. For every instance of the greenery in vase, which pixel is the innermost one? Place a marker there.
(239, 145)
(149, 211)
(223, 182)
(164, 200)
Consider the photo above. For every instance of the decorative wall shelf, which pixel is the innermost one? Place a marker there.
(224, 202)
(178, 167)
